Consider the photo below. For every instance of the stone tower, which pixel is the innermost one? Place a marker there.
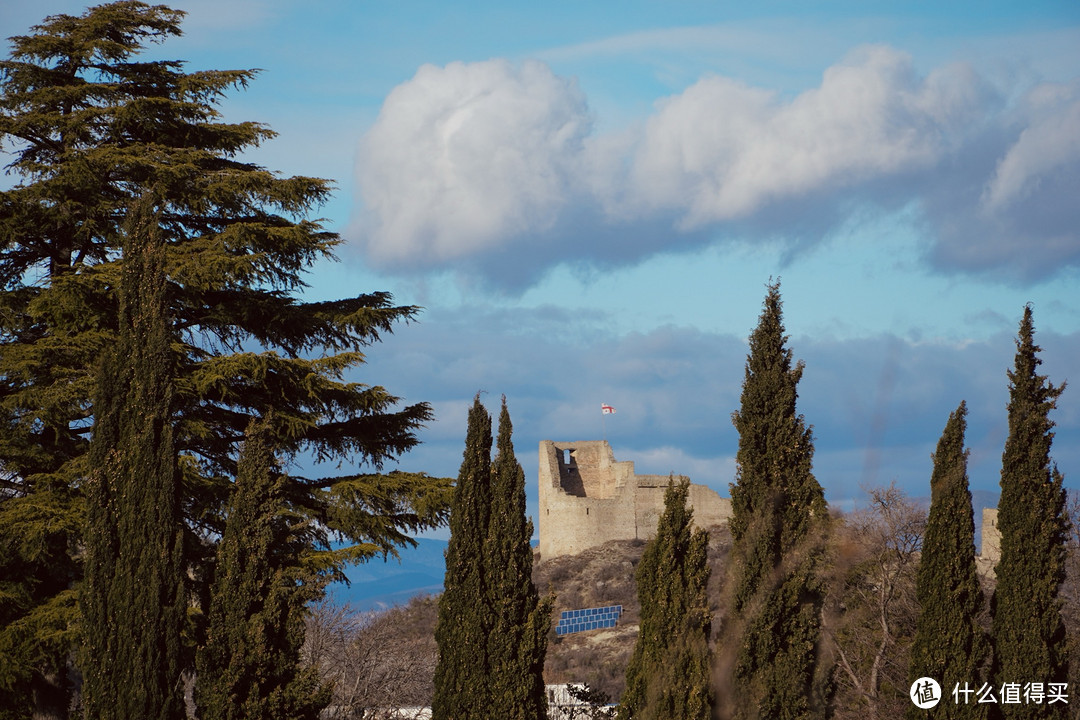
(588, 498)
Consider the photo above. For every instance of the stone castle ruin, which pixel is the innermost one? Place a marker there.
(587, 498)
(990, 553)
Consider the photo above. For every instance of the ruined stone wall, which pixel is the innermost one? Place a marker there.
(587, 498)
(991, 536)
(990, 552)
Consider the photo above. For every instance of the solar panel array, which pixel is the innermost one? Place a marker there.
(572, 621)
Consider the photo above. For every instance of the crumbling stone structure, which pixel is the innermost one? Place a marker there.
(587, 498)
(990, 552)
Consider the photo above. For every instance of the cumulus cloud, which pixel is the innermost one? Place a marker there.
(721, 151)
(466, 157)
(1048, 143)
(1006, 204)
(495, 168)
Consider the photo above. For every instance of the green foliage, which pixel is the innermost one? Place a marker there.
(249, 667)
(493, 627)
(37, 602)
(461, 675)
(668, 674)
(779, 514)
(949, 643)
(1028, 633)
(595, 704)
(518, 642)
(89, 127)
(134, 602)
(31, 650)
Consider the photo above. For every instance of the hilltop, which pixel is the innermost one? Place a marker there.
(597, 577)
(395, 648)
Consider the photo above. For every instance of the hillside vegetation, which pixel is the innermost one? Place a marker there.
(599, 577)
(390, 659)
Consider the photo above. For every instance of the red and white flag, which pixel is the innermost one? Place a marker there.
(607, 410)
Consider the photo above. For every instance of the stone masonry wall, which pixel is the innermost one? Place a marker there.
(588, 498)
(990, 553)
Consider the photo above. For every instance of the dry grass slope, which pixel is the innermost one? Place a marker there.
(599, 577)
(388, 658)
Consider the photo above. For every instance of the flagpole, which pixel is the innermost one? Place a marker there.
(605, 410)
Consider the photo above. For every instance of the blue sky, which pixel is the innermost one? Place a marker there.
(589, 202)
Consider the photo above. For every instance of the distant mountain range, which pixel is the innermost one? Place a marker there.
(377, 585)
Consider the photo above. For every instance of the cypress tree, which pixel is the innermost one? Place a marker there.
(249, 668)
(134, 603)
(778, 517)
(518, 642)
(949, 644)
(90, 128)
(1027, 630)
(668, 674)
(462, 689)
(492, 629)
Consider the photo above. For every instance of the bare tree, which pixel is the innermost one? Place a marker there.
(872, 606)
(380, 663)
(579, 701)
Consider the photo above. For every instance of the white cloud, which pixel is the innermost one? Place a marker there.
(465, 157)
(1050, 141)
(494, 168)
(698, 39)
(722, 151)
(1006, 204)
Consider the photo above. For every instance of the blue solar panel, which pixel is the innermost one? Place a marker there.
(572, 621)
